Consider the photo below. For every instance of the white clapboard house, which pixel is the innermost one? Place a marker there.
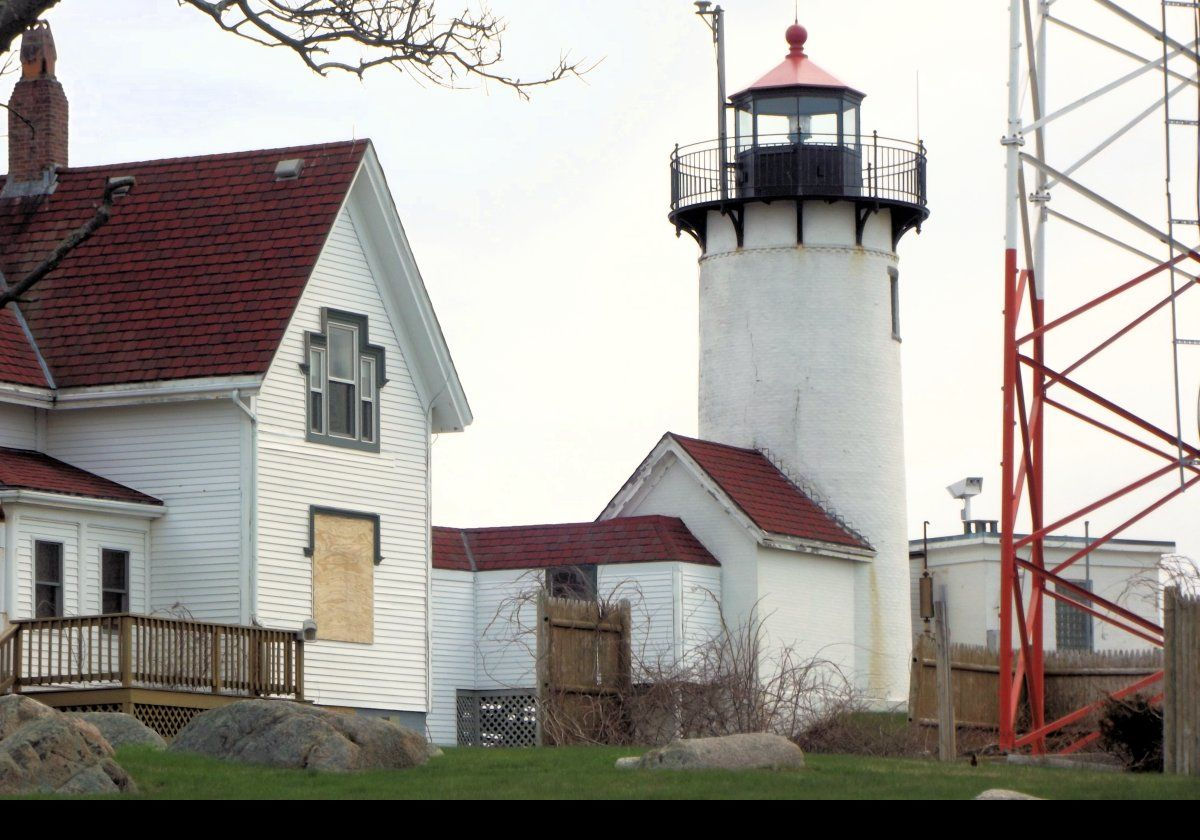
(215, 421)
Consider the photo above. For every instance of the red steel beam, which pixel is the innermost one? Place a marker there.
(1087, 549)
(1084, 511)
(1079, 415)
(1093, 598)
(1107, 619)
(1111, 406)
(1109, 295)
(1081, 713)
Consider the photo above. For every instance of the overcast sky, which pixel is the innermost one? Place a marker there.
(568, 302)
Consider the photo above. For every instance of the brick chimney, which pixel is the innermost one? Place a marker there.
(37, 117)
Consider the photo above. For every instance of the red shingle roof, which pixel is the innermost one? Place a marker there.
(196, 274)
(765, 494)
(25, 469)
(637, 539)
(18, 362)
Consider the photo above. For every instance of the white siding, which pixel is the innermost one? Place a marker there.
(32, 526)
(700, 597)
(506, 627)
(967, 574)
(650, 589)
(806, 603)
(453, 660)
(293, 474)
(189, 455)
(675, 492)
(81, 569)
(17, 426)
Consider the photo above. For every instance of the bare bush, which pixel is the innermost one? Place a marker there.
(733, 681)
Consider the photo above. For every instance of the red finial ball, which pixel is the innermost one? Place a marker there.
(796, 36)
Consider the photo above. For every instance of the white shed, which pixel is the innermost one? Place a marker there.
(485, 582)
(966, 574)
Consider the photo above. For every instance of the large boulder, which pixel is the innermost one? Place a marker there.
(16, 710)
(284, 734)
(45, 751)
(122, 730)
(750, 751)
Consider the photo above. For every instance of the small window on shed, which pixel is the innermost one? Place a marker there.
(578, 582)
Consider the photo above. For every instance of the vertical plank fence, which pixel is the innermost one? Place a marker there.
(584, 668)
(1181, 677)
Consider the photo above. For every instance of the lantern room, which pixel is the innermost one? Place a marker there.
(796, 133)
(796, 130)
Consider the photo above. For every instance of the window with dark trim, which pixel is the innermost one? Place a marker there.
(894, 288)
(47, 579)
(577, 582)
(114, 581)
(344, 373)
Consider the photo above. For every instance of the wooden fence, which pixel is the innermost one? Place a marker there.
(1073, 679)
(584, 670)
(1181, 678)
(148, 652)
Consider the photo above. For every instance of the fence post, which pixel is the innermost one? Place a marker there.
(543, 667)
(216, 659)
(947, 749)
(126, 654)
(18, 642)
(300, 668)
(1181, 683)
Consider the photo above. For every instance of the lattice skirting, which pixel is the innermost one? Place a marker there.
(165, 720)
(498, 718)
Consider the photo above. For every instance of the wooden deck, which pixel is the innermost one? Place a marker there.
(162, 670)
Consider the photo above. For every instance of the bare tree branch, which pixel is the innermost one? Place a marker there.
(18, 15)
(114, 187)
(353, 36)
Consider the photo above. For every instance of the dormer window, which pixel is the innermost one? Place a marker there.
(345, 372)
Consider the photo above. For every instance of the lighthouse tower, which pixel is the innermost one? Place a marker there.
(798, 215)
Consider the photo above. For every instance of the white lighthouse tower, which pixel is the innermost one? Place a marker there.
(798, 216)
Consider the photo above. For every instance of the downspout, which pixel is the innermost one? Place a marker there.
(250, 510)
(429, 556)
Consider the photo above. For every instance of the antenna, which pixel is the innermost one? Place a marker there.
(714, 19)
(918, 105)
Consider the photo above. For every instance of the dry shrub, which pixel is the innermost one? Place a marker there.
(731, 682)
(1132, 730)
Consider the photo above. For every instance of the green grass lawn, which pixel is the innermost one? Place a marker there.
(588, 772)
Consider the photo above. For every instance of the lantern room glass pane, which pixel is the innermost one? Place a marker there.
(850, 125)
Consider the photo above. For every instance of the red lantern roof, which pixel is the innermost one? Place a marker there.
(797, 69)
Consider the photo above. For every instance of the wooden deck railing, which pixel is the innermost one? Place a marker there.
(150, 652)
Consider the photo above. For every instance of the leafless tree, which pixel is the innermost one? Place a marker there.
(354, 36)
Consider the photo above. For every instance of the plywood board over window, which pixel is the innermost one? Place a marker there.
(345, 548)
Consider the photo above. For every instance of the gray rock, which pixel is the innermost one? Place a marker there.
(59, 754)
(122, 730)
(283, 734)
(750, 751)
(1002, 793)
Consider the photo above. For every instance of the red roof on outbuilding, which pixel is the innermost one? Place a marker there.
(765, 494)
(196, 274)
(26, 469)
(637, 539)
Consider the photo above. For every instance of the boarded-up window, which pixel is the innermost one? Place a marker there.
(344, 550)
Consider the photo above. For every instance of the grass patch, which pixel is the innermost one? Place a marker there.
(588, 773)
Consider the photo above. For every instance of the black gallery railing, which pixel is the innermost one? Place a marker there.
(796, 165)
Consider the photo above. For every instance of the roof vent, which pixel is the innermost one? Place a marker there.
(289, 170)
